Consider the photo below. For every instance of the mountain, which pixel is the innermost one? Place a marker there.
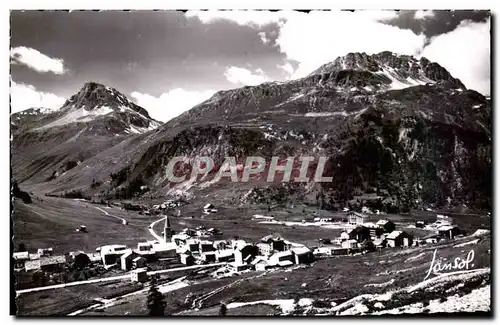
(399, 132)
(46, 143)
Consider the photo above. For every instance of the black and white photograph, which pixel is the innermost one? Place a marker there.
(231, 163)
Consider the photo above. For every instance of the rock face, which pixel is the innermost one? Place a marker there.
(47, 143)
(398, 130)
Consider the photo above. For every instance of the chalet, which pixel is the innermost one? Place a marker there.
(186, 259)
(276, 243)
(139, 262)
(145, 250)
(165, 250)
(360, 234)
(206, 246)
(209, 257)
(47, 263)
(387, 225)
(449, 232)
(111, 254)
(356, 218)
(225, 255)
(193, 245)
(139, 275)
(126, 259)
(260, 264)
(399, 239)
(302, 255)
(45, 251)
(221, 244)
(380, 242)
(181, 239)
(281, 259)
(351, 243)
(244, 251)
(20, 258)
(431, 238)
(344, 236)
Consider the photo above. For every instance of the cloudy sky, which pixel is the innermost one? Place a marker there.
(168, 61)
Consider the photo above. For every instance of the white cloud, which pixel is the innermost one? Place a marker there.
(172, 103)
(26, 96)
(465, 53)
(319, 37)
(424, 14)
(36, 60)
(242, 76)
(241, 17)
(263, 38)
(288, 68)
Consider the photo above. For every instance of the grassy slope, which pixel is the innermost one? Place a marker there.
(52, 223)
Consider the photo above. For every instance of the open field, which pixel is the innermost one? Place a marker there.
(52, 223)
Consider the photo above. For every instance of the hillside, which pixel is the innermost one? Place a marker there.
(400, 128)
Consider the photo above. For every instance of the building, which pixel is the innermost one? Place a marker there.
(45, 251)
(356, 218)
(181, 239)
(146, 250)
(139, 275)
(47, 263)
(126, 260)
(139, 262)
(206, 246)
(209, 257)
(280, 258)
(168, 231)
(260, 264)
(399, 239)
(193, 245)
(351, 243)
(360, 234)
(380, 242)
(186, 259)
(20, 258)
(270, 244)
(449, 232)
(111, 254)
(224, 255)
(243, 251)
(387, 225)
(431, 238)
(165, 250)
(221, 244)
(302, 255)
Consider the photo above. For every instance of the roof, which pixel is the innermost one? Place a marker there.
(300, 250)
(32, 265)
(164, 247)
(225, 252)
(127, 254)
(352, 241)
(52, 260)
(137, 258)
(382, 222)
(208, 206)
(395, 234)
(369, 225)
(285, 263)
(344, 235)
(21, 255)
(206, 242)
(280, 254)
(446, 228)
(357, 214)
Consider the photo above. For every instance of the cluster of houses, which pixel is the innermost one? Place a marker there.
(191, 246)
(360, 232)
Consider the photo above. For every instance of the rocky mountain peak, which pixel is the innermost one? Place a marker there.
(95, 95)
(395, 66)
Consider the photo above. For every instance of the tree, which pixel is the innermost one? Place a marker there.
(156, 301)
(223, 309)
(22, 248)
